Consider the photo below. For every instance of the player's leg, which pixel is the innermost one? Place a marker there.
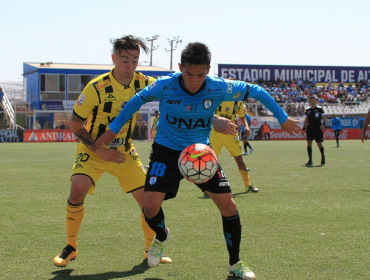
(75, 213)
(162, 182)
(216, 141)
(244, 173)
(337, 133)
(234, 147)
(319, 138)
(132, 181)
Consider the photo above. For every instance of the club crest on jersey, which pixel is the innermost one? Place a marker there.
(207, 104)
(227, 108)
(152, 85)
(317, 114)
(81, 99)
(152, 180)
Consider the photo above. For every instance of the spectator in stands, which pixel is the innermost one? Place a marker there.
(260, 111)
(37, 125)
(63, 125)
(47, 125)
(301, 110)
(144, 131)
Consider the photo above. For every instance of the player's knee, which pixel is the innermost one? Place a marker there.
(151, 208)
(79, 189)
(229, 209)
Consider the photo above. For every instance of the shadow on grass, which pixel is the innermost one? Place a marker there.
(137, 269)
(317, 165)
(205, 196)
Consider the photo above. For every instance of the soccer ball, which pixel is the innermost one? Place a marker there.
(198, 163)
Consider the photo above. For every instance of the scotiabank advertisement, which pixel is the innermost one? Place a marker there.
(49, 135)
(352, 131)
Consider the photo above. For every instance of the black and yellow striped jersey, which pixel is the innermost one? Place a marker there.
(231, 109)
(155, 123)
(102, 100)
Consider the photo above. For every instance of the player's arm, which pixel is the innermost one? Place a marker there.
(305, 122)
(76, 124)
(286, 123)
(224, 125)
(366, 124)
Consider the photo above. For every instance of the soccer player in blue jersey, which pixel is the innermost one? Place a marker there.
(244, 136)
(337, 127)
(366, 125)
(187, 102)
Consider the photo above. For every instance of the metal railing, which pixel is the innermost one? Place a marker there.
(8, 108)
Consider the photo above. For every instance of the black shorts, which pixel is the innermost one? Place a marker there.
(337, 133)
(315, 134)
(243, 136)
(164, 175)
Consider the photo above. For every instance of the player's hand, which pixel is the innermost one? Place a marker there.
(291, 126)
(225, 126)
(105, 139)
(363, 137)
(322, 127)
(111, 155)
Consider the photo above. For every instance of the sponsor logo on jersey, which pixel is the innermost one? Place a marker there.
(236, 95)
(152, 85)
(207, 104)
(105, 84)
(118, 142)
(167, 88)
(217, 89)
(174, 102)
(142, 78)
(110, 97)
(210, 90)
(192, 108)
(81, 99)
(189, 123)
(152, 180)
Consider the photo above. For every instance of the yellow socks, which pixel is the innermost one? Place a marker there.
(245, 177)
(75, 215)
(149, 234)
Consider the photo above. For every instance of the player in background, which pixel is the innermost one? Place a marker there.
(313, 125)
(337, 128)
(187, 101)
(244, 134)
(99, 103)
(155, 122)
(366, 125)
(230, 110)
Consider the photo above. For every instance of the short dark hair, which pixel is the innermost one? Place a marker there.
(156, 111)
(196, 53)
(130, 42)
(312, 97)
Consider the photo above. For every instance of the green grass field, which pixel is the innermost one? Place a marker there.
(305, 223)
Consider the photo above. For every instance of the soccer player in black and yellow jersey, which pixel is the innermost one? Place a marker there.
(99, 103)
(155, 122)
(229, 110)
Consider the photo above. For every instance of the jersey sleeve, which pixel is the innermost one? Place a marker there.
(86, 102)
(241, 113)
(322, 111)
(148, 94)
(240, 91)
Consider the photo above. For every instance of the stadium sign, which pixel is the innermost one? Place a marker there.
(319, 74)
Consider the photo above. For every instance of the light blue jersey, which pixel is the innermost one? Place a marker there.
(336, 124)
(186, 118)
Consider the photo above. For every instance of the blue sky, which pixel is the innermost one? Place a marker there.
(324, 32)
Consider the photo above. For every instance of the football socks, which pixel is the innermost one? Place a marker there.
(158, 225)
(232, 233)
(75, 215)
(245, 177)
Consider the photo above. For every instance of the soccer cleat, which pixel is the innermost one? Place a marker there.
(309, 163)
(337, 146)
(164, 258)
(252, 189)
(251, 150)
(68, 254)
(155, 252)
(241, 270)
(244, 154)
(323, 161)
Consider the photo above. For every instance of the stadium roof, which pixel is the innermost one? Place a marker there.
(51, 65)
